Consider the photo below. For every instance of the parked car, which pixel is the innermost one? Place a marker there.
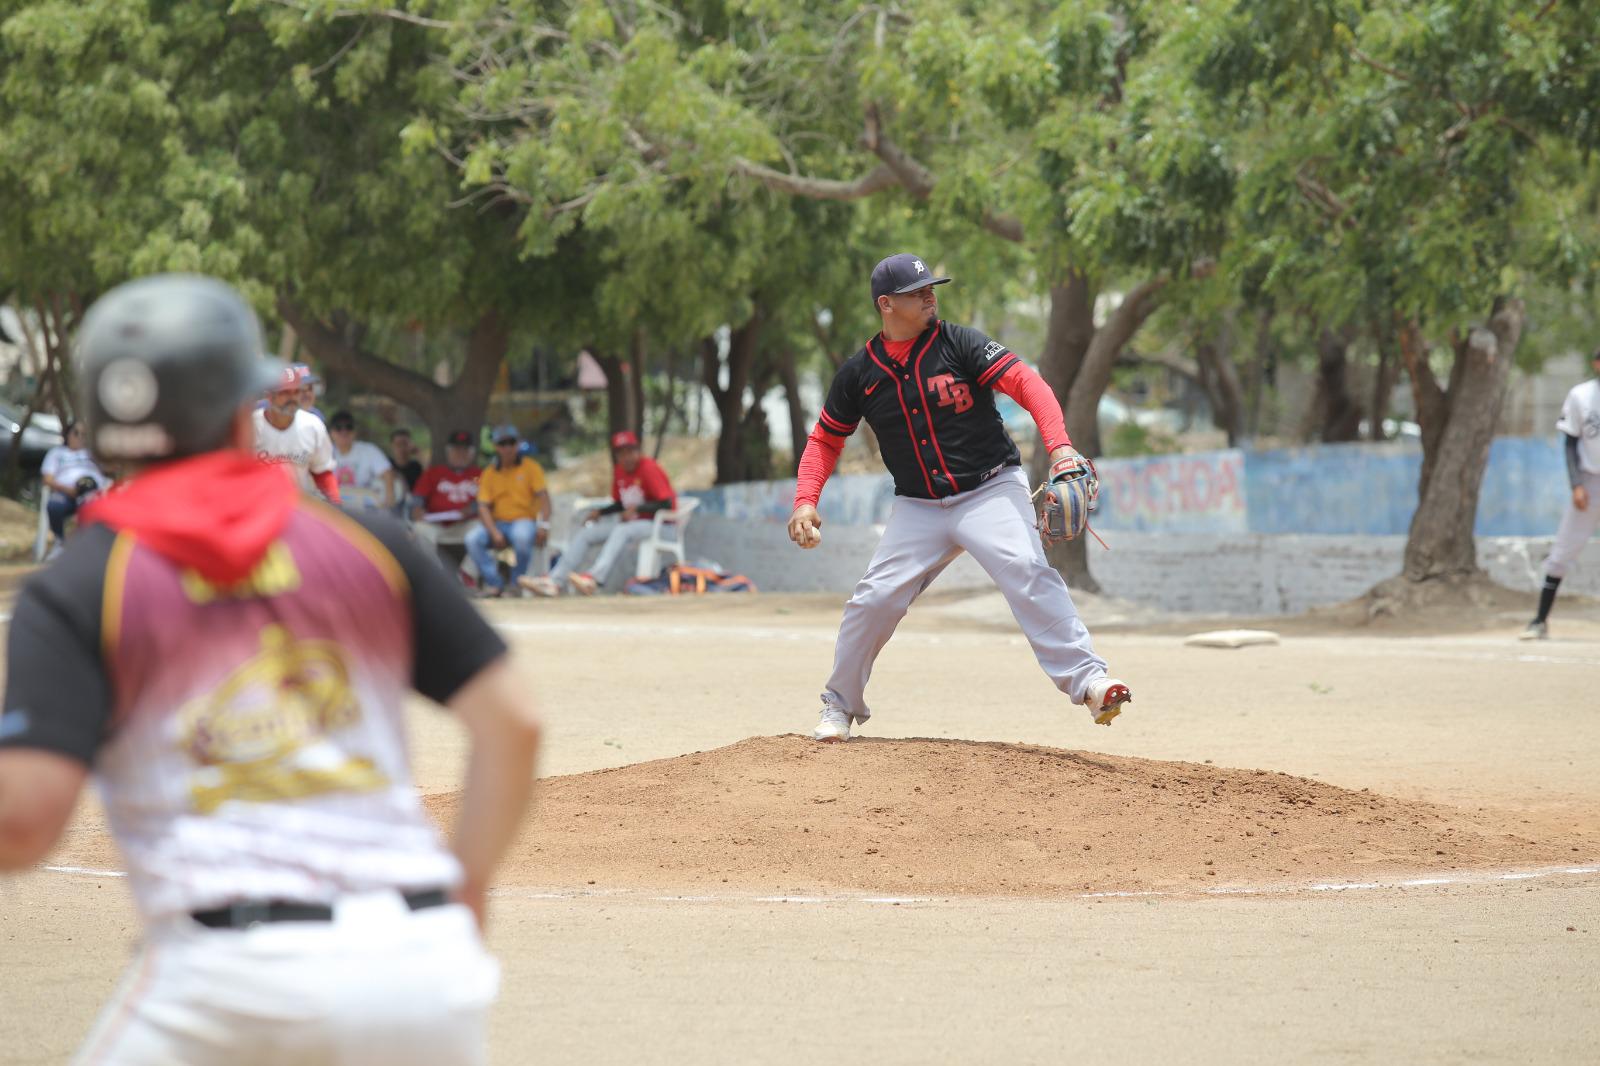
(42, 434)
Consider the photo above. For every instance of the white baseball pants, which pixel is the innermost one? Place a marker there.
(994, 522)
(1575, 530)
(379, 985)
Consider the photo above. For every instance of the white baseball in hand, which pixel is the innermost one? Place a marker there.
(805, 527)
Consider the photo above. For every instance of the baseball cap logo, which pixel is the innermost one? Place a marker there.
(902, 273)
(127, 389)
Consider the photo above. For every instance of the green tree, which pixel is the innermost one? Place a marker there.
(1411, 174)
(1047, 129)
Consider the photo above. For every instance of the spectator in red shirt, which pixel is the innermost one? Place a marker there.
(446, 495)
(639, 488)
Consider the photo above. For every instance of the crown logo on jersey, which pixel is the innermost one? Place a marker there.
(261, 736)
(275, 575)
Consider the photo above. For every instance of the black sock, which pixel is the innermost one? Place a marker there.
(1547, 596)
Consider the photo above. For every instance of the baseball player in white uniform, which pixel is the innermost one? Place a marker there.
(284, 433)
(229, 658)
(1580, 434)
(927, 389)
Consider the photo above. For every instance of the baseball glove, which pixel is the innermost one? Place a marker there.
(1070, 494)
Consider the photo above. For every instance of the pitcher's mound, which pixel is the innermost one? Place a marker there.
(951, 817)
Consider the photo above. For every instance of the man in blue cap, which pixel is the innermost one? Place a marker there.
(513, 508)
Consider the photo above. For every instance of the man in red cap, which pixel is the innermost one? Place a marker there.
(639, 488)
(287, 434)
(446, 494)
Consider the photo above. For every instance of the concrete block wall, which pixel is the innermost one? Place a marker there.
(1226, 532)
(763, 552)
(1202, 573)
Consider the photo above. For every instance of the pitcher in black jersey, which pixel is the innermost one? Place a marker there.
(926, 387)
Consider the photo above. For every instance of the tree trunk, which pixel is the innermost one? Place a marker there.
(790, 379)
(1383, 382)
(1220, 379)
(640, 361)
(11, 479)
(1263, 358)
(743, 346)
(669, 401)
(1458, 426)
(49, 347)
(755, 435)
(1068, 332)
(621, 391)
(460, 405)
(1335, 416)
(1082, 404)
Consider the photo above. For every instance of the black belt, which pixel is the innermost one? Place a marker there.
(248, 912)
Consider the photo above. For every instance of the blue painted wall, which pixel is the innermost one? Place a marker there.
(1372, 488)
(1330, 488)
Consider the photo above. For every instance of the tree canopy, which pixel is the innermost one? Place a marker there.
(703, 185)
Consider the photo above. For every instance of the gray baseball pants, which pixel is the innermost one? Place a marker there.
(1575, 530)
(995, 523)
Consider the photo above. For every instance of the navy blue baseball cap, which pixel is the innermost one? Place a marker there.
(902, 273)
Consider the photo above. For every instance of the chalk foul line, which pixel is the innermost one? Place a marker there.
(1483, 877)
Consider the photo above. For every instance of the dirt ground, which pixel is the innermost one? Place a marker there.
(1357, 845)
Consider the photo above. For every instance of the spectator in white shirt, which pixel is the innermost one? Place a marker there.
(71, 475)
(285, 434)
(366, 476)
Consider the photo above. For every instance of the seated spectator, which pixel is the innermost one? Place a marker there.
(445, 500)
(513, 507)
(403, 454)
(639, 488)
(72, 476)
(365, 475)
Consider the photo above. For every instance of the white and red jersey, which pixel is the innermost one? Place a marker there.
(305, 446)
(647, 484)
(1580, 418)
(442, 489)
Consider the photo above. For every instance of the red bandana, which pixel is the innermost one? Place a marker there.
(215, 513)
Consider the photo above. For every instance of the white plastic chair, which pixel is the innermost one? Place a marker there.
(660, 543)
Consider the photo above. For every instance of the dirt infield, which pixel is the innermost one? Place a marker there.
(928, 817)
(671, 765)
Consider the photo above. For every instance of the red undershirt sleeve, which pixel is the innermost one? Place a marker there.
(328, 485)
(816, 463)
(1023, 384)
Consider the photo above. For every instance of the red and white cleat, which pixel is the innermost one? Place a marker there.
(1105, 699)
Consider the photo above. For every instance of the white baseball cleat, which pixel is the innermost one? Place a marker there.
(1535, 631)
(1105, 699)
(834, 726)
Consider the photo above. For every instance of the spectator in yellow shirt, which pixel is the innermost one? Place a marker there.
(513, 507)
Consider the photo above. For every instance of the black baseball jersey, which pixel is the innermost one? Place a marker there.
(935, 418)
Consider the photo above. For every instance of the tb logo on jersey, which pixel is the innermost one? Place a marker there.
(951, 392)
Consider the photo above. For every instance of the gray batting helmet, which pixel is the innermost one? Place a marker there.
(164, 363)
